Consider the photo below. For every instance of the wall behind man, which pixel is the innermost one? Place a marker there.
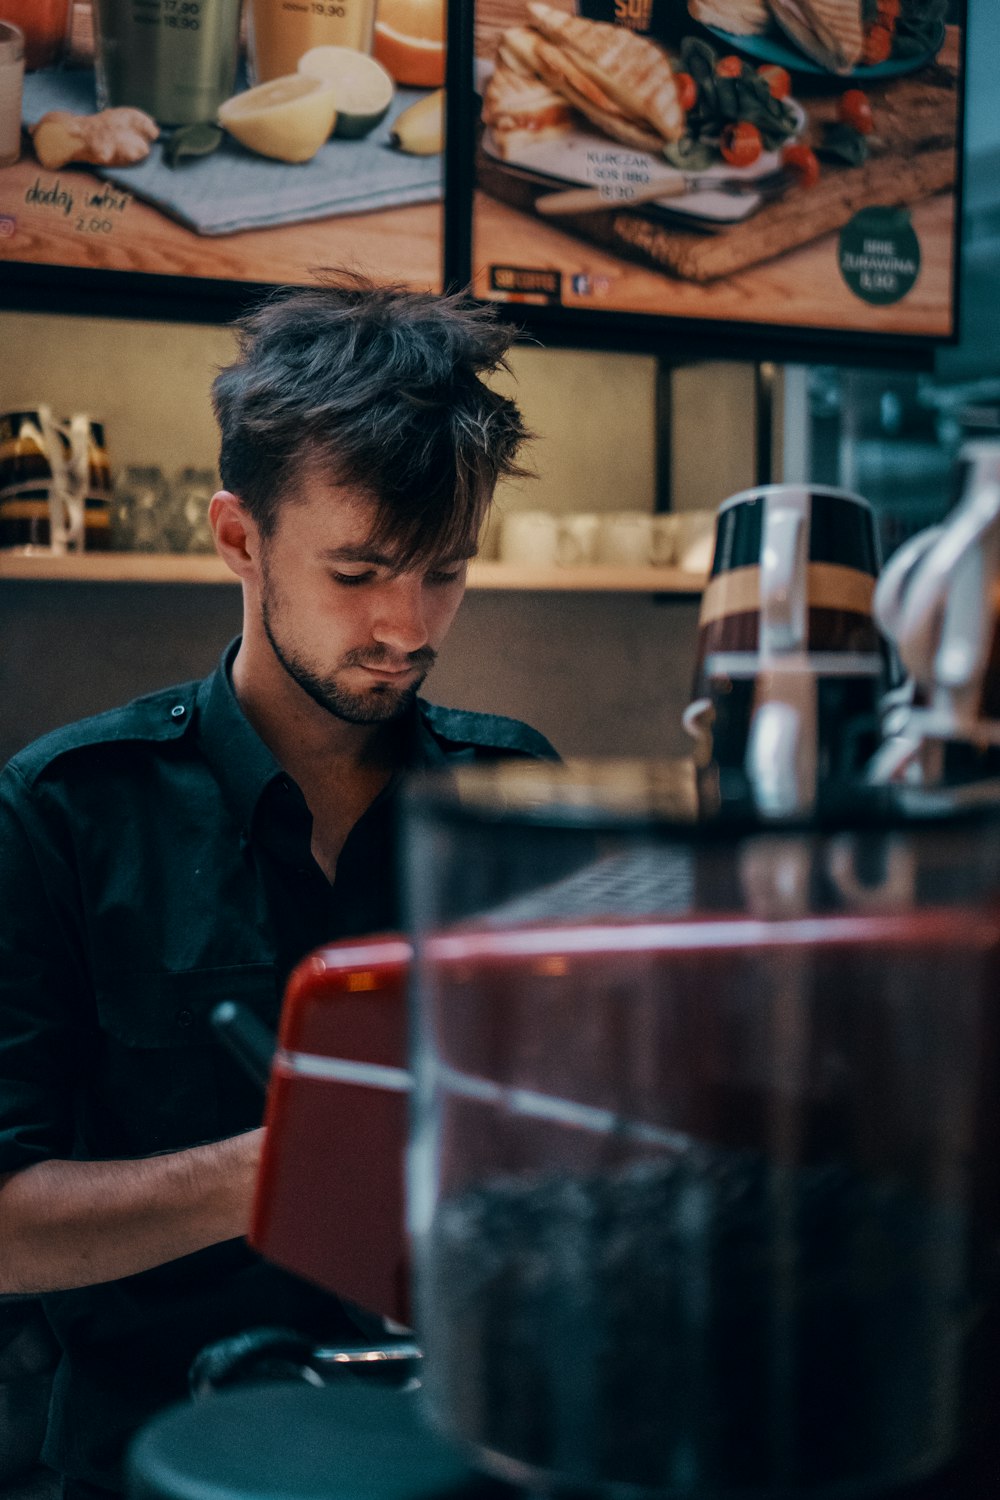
(599, 673)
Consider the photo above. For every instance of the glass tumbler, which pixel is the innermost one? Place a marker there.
(11, 88)
(141, 510)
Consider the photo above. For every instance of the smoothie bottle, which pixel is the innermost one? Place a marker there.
(45, 24)
(175, 59)
(281, 31)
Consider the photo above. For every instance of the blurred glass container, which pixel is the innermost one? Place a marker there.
(187, 527)
(702, 1181)
(140, 510)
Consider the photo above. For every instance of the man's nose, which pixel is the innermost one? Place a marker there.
(401, 618)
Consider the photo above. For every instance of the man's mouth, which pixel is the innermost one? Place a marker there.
(388, 670)
(391, 674)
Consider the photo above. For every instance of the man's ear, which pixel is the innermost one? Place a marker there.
(237, 537)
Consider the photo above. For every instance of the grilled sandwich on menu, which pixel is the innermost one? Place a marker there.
(831, 32)
(738, 17)
(559, 63)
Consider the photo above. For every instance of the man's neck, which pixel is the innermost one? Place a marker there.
(315, 747)
(339, 767)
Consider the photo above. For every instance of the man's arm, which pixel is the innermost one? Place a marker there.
(69, 1224)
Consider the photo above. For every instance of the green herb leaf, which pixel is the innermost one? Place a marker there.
(724, 101)
(843, 143)
(689, 155)
(190, 141)
(698, 58)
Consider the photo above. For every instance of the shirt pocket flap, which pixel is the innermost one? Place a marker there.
(174, 1009)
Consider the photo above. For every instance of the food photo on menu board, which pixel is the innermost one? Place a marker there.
(236, 140)
(768, 162)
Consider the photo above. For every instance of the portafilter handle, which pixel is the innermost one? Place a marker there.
(248, 1039)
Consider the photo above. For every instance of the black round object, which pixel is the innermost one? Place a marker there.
(297, 1442)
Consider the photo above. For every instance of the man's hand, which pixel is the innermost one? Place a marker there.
(75, 1223)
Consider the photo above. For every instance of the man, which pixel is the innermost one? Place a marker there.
(194, 845)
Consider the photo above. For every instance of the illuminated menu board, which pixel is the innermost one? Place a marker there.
(790, 165)
(201, 146)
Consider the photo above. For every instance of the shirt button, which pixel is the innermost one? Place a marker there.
(184, 1018)
(178, 711)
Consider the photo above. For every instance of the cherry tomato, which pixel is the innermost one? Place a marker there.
(777, 79)
(878, 44)
(855, 110)
(741, 144)
(729, 67)
(804, 162)
(687, 91)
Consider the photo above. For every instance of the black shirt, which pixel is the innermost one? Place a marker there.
(155, 860)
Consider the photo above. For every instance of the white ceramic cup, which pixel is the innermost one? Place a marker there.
(625, 538)
(529, 538)
(695, 540)
(577, 539)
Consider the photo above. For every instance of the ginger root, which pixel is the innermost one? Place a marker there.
(112, 138)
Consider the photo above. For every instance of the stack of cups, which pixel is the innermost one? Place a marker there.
(791, 667)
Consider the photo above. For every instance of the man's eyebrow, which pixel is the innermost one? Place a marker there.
(360, 553)
(363, 553)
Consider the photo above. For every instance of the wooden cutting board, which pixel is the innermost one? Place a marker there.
(914, 157)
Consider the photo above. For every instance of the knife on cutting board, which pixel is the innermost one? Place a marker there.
(593, 200)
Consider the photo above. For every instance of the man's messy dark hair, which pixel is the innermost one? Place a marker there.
(377, 387)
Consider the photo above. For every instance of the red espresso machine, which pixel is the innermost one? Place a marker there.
(672, 1137)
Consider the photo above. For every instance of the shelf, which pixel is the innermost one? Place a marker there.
(116, 567)
(598, 577)
(150, 567)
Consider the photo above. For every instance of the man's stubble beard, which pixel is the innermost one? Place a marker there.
(379, 705)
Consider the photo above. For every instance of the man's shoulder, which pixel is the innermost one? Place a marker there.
(154, 718)
(485, 735)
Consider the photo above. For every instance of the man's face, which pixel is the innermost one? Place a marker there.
(351, 630)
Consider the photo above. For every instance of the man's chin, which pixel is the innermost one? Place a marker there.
(379, 703)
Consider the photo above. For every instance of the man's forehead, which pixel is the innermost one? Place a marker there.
(351, 523)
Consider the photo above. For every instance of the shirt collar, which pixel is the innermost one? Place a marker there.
(243, 764)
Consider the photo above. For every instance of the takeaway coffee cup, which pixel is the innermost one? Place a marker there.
(790, 664)
(55, 482)
(794, 569)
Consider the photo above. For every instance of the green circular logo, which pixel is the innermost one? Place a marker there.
(879, 255)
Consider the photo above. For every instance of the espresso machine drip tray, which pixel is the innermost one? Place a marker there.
(633, 883)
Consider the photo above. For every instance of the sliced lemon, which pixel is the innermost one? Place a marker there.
(419, 130)
(288, 118)
(362, 87)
